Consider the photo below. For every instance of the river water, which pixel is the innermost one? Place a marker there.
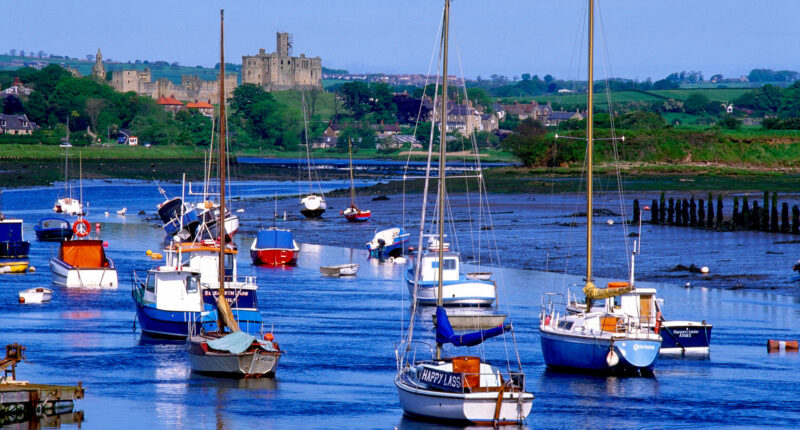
(340, 334)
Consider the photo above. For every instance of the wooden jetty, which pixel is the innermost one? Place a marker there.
(21, 400)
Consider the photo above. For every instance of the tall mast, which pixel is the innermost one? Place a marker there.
(308, 151)
(589, 142)
(352, 186)
(223, 308)
(442, 155)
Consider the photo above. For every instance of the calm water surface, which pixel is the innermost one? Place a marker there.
(339, 334)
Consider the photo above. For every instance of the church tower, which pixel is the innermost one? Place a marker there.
(98, 71)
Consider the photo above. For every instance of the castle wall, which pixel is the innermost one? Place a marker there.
(279, 71)
(191, 87)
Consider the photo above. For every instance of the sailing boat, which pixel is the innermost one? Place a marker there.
(67, 204)
(600, 340)
(222, 348)
(461, 388)
(82, 262)
(274, 246)
(312, 205)
(353, 213)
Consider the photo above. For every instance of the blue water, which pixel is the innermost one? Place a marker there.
(340, 334)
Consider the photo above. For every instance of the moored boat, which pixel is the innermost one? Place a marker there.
(35, 295)
(53, 230)
(388, 243)
(83, 264)
(12, 241)
(353, 213)
(313, 206)
(274, 247)
(339, 270)
(178, 218)
(457, 288)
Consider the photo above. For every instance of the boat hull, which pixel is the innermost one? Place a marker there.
(312, 213)
(355, 215)
(72, 277)
(588, 353)
(471, 292)
(54, 235)
(340, 270)
(472, 408)
(688, 337)
(274, 257)
(14, 266)
(252, 364)
(35, 295)
(15, 249)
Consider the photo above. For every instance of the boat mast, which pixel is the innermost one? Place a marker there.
(80, 179)
(442, 155)
(589, 140)
(225, 315)
(308, 151)
(352, 186)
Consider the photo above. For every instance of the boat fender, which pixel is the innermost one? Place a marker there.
(21, 299)
(612, 359)
(617, 284)
(97, 227)
(657, 328)
(391, 260)
(547, 320)
(269, 337)
(105, 244)
(81, 228)
(31, 269)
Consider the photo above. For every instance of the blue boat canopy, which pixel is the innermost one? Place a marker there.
(274, 239)
(445, 333)
(11, 231)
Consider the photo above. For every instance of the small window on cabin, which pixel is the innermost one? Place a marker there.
(151, 284)
(191, 284)
(617, 301)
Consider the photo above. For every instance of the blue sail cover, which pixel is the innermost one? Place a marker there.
(274, 239)
(445, 333)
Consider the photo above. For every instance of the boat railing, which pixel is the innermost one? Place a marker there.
(479, 382)
(406, 352)
(136, 279)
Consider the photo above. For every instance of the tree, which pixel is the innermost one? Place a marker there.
(665, 84)
(362, 137)
(696, 103)
(479, 96)
(12, 105)
(13, 52)
(245, 96)
(93, 108)
(526, 76)
(528, 142)
(356, 98)
(36, 108)
(730, 122)
(381, 102)
(639, 120)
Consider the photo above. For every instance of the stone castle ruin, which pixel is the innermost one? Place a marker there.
(280, 70)
(190, 88)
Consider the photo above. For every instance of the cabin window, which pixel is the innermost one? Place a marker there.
(449, 264)
(151, 284)
(566, 325)
(617, 301)
(191, 284)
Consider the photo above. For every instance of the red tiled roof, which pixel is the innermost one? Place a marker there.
(199, 105)
(168, 101)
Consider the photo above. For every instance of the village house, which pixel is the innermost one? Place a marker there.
(489, 122)
(16, 124)
(386, 130)
(556, 118)
(16, 89)
(170, 104)
(205, 108)
(533, 110)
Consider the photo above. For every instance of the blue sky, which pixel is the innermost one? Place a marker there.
(644, 38)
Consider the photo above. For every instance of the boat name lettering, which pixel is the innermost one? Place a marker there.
(685, 332)
(228, 293)
(637, 347)
(443, 380)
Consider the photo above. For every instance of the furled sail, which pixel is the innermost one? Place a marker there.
(445, 333)
(614, 289)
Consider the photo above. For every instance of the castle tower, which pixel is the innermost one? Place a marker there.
(98, 70)
(284, 45)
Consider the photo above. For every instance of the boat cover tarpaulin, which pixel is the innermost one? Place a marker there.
(11, 231)
(445, 333)
(83, 253)
(274, 239)
(237, 343)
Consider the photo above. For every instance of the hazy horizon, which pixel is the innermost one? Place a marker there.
(643, 39)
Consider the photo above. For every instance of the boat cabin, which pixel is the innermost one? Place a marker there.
(202, 257)
(640, 304)
(83, 254)
(430, 266)
(174, 289)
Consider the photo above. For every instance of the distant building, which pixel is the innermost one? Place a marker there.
(280, 70)
(16, 89)
(170, 104)
(190, 88)
(205, 108)
(386, 130)
(533, 110)
(98, 70)
(556, 118)
(16, 124)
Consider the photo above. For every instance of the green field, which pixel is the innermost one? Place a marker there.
(323, 107)
(713, 94)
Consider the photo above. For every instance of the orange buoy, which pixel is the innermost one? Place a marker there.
(268, 337)
(618, 284)
(781, 345)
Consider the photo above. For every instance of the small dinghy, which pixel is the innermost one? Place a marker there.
(122, 211)
(35, 295)
(339, 270)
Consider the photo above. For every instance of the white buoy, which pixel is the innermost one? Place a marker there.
(391, 260)
(704, 270)
(610, 222)
(612, 359)
(31, 269)
(106, 214)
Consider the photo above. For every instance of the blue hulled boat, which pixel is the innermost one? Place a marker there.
(388, 243)
(53, 230)
(12, 243)
(170, 212)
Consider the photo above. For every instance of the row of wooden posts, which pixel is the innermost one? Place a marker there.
(701, 214)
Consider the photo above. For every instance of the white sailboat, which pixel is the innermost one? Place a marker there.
(596, 340)
(222, 348)
(67, 204)
(460, 388)
(311, 205)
